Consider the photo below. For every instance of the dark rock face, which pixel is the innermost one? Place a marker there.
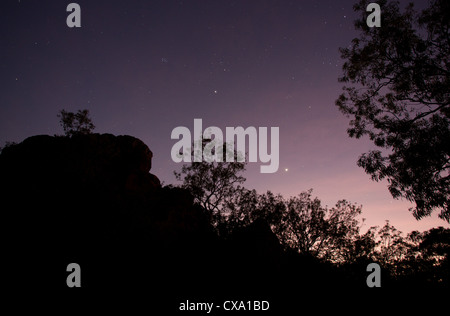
(83, 181)
(90, 199)
(103, 162)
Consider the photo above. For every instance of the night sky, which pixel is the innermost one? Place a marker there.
(144, 67)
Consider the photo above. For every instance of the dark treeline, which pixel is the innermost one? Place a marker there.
(332, 235)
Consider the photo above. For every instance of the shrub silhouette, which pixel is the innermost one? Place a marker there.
(76, 123)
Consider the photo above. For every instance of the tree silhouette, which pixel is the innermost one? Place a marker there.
(76, 123)
(360, 248)
(435, 249)
(213, 184)
(301, 222)
(392, 245)
(248, 206)
(398, 93)
(316, 230)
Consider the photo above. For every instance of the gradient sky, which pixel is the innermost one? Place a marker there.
(144, 67)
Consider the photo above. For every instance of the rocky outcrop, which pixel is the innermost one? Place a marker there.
(91, 200)
(87, 160)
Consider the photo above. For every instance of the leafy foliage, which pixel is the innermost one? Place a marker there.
(398, 94)
(76, 123)
(311, 228)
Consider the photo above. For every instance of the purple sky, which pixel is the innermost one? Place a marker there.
(145, 67)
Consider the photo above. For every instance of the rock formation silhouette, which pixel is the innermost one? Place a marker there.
(91, 200)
